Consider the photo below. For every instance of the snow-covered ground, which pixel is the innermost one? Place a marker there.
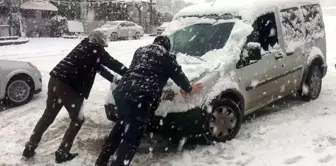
(290, 132)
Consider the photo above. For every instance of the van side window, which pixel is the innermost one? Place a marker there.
(265, 32)
(293, 28)
(312, 15)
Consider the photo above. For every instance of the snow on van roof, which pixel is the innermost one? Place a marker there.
(248, 9)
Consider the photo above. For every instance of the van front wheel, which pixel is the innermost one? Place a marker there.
(313, 84)
(225, 120)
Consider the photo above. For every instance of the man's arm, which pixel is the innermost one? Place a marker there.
(106, 74)
(177, 75)
(113, 64)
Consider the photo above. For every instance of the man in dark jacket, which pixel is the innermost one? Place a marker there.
(136, 93)
(70, 82)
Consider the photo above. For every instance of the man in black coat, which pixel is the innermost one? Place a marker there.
(136, 94)
(70, 82)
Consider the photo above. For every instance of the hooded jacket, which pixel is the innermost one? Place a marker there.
(78, 69)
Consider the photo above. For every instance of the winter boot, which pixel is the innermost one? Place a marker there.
(64, 156)
(29, 150)
(103, 159)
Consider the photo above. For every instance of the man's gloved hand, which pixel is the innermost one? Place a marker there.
(196, 88)
(116, 80)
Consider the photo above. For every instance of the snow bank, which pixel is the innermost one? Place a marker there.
(14, 41)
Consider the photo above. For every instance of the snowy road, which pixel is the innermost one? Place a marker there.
(288, 133)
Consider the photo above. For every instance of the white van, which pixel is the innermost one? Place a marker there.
(247, 55)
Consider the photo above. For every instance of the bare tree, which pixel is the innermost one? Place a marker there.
(139, 7)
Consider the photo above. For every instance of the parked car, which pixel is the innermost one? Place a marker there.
(247, 55)
(19, 81)
(122, 29)
(162, 28)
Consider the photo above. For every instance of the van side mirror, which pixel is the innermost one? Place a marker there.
(254, 51)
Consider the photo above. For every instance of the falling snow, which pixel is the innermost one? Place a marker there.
(181, 144)
(81, 113)
(313, 145)
(126, 162)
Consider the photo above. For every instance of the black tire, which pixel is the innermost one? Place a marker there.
(313, 84)
(232, 107)
(137, 36)
(114, 36)
(26, 79)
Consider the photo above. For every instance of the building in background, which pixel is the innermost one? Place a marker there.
(37, 16)
(26, 17)
(10, 19)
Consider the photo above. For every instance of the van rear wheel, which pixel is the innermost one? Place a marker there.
(224, 121)
(313, 84)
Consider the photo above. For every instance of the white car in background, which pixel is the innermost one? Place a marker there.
(19, 81)
(122, 29)
(160, 30)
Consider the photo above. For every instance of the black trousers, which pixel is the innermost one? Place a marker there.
(128, 131)
(60, 95)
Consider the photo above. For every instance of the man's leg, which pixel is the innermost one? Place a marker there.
(111, 144)
(134, 131)
(53, 106)
(74, 105)
(135, 126)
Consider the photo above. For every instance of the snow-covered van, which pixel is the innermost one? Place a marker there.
(248, 55)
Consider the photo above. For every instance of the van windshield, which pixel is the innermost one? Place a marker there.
(198, 39)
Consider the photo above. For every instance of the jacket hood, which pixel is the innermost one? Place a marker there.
(98, 37)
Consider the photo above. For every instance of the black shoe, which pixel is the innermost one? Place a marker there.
(29, 150)
(103, 159)
(64, 156)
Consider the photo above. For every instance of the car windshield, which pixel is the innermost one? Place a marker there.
(198, 39)
(110, 24)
